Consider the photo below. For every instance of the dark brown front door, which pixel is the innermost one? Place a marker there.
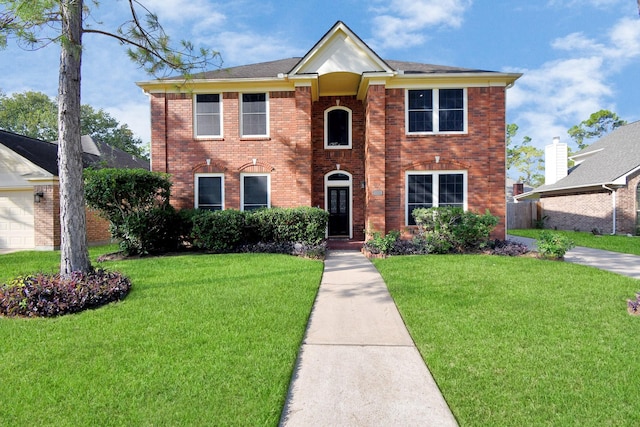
(339, 211)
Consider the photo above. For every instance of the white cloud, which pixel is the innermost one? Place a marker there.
(246, 48)
(135, 115)
(400, 22)
(549, 100)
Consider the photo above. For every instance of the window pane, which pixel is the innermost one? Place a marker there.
(338, 127)
(255, 192)
(208, 115)
(420, 194)
(451, 190)
(451, 99)
(451, 120)
(420, 121)
(420, 111)
(451, 110)
(210, 192)
(338, 177)
(254, 114)
(420, 100)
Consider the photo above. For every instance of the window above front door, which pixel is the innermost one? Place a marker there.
(337, 128)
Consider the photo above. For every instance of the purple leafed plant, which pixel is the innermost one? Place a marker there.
(633, 306)
(42, 295)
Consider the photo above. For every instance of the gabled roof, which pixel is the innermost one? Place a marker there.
(340, 63)
(45, 154)
(613, 158)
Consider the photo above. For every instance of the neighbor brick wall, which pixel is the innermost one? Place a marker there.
(590, 210)
(47, 217)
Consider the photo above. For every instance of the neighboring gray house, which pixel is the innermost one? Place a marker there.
(601, 192)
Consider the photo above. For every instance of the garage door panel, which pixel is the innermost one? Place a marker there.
(16, 219)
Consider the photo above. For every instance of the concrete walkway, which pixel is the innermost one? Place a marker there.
(358, 366)
(625, 264)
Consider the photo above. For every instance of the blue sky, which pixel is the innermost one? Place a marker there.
(577, 56)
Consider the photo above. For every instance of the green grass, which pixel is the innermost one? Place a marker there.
(623, 244)
(200, 340)
(522, 341)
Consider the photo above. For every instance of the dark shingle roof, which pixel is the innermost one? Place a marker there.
(45, 154)
(271, 69)
(615, 155)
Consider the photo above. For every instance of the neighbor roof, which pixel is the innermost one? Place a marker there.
(615, 156)
(45, 154)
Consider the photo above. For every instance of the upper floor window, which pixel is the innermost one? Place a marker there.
(208, 115)
(254, 115)
(337, 127)
(255, 191)
(436, 111)
(435, 189)
(209, 192)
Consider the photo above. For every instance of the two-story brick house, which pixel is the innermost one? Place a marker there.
(367, 139)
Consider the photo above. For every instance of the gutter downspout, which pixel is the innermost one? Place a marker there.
(613, 203)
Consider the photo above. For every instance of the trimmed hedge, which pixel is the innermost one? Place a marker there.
(227, 230)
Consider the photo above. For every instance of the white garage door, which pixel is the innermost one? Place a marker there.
(16, 219)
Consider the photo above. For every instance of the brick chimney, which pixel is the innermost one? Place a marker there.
(518, 188)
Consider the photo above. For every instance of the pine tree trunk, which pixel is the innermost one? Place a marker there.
(73, 245)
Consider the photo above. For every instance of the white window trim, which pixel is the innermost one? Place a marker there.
(436, 188)
(195, 117)
(326, 129)
(349, 184)
(204, 175)
(436, 111)
(243, 175)
(266, 101)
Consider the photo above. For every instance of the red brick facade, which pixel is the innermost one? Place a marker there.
(339, 72)
(594, 210)
(295, 156)
(47, 220)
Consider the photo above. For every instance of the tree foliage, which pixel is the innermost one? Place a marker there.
(38, 23)
(524, 158)
(597, 125)
(34, 114)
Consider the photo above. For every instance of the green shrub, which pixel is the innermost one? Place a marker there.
(448, 229)
(136, 203)
(302, 225)
(227, 230)
(382, 244)
(217, 231)
(553, 245)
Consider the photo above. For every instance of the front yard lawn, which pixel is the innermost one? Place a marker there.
(521, 341)
(199, 340)
(618, 243)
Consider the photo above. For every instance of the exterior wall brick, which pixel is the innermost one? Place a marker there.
(47, 220)
(594, 210)
(47, 217)
(295, 157)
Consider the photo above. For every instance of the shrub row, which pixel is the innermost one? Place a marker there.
(42, 295)
(226, 231)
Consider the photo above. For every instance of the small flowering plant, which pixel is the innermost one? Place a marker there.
(42, 295)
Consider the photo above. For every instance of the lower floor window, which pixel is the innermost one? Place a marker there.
(434, 189)
(210, 192)
(255, 192)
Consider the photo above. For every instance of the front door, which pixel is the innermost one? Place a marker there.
(338, 211)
